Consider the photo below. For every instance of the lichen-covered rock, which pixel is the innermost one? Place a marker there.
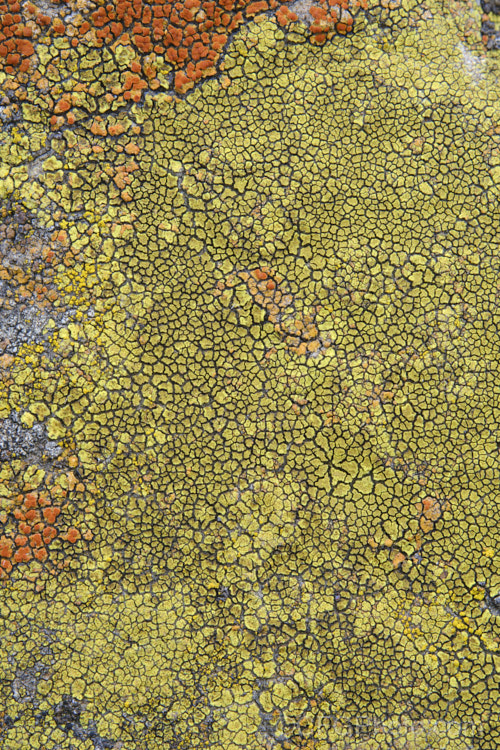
(249, 378)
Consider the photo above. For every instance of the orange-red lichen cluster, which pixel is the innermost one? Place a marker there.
(299, 331)
(35, 531)
(16, 46)
(30, 525)
(284, 15)
(330, 16)
(21, 26)
(190, 34)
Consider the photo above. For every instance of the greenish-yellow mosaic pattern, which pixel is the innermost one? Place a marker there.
(277, 388)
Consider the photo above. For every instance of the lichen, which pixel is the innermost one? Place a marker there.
(263, 381)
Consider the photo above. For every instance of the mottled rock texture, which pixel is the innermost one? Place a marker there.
(249, 384)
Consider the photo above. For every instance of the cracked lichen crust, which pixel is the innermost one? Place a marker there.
(281, 411)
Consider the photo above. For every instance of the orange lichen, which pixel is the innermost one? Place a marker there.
(23, 554)
(31, 500)
(16, 48)
(36, 540)
(398, 559)
(284, 15)
(29, 520)
(299, 331)
(49, 533)
(330, 16)
(190, 34)
(41, 554)
(430, 509)
(5, 547)
(72, 535)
